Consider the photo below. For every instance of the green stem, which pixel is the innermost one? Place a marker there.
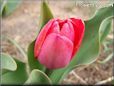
(48, 71)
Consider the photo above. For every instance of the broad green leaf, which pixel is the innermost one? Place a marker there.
(8, 6)
(7, 63)
(38, 77)
(19, 76)
(45, 14)
(2, 4)
(105, 28)
(89, 49)
(32, 61)
(91, 38)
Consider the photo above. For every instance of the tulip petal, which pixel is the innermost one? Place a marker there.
(41, 37)
(68, 31)
(61, 22)
(54, 28)
(79, 33)
(56, 51)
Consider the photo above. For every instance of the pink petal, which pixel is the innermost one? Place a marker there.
(56, 51)
(79, 29)
(41, 37)
(61, 22)
(55, 28)
(68, 31)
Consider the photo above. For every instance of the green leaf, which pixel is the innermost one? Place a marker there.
(32, 61)
(7, 63)
(15, 77)
(92, 37)
(45, 15)
(105, 28)
(8, 6)
(38, 77)
(89, 49)
(2, 4)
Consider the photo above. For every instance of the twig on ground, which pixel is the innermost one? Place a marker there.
(105, 81)
(78, 77)
(69, 81)
(85, 66)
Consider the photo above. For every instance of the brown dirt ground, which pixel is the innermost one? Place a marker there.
(22, 26)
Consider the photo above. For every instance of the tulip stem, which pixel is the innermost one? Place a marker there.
(48, 72)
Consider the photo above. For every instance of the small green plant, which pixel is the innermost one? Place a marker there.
(33, 72)
(8, 6)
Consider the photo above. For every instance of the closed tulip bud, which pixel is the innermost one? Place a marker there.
(58, 42)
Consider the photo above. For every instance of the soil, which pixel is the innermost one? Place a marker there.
(22, 26)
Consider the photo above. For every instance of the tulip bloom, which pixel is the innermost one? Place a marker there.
(58, 42)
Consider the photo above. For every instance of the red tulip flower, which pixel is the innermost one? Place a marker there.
(58, 42)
